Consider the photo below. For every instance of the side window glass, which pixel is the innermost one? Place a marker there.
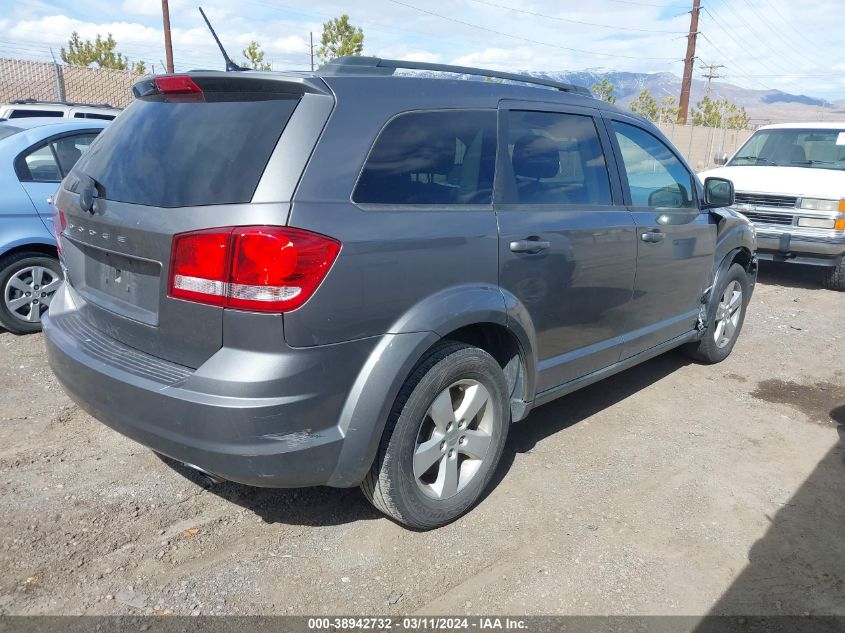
(69, 149)
(656, 178)
(443, 157)
(557, 159)
(42, 166)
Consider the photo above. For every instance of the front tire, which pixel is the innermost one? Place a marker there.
(443, 439)
(28, 281)
(725, 316)
(834, 277)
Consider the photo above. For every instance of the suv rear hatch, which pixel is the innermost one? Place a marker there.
(187, 154)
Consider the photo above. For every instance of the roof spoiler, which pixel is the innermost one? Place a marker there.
(355, 65)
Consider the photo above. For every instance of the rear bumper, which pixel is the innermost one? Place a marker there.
(290, 439)
(784, 246)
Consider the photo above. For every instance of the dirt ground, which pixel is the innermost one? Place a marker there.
(673, 488)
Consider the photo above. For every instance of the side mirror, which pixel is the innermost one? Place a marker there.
(718, 192)
(720, 159)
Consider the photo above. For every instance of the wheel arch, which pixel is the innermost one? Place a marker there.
(482, 320)
(43, 247)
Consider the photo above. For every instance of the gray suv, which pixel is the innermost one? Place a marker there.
(353, 277)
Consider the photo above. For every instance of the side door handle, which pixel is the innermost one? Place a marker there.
(529, 245)
(653, 236)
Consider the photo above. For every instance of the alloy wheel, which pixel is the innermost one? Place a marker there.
(454, 439)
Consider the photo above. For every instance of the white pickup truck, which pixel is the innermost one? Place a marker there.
(790, 182)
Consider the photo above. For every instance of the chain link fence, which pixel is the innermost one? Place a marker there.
(699, 144)
(43, 81)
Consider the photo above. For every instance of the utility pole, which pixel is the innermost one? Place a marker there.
(711, 74)
(689, 62)
(312, 51)
(168, 45)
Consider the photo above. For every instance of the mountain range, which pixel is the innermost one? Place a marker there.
(762, 106)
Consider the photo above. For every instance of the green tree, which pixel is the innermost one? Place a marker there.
(719, 113)
(668, 109)
(101, 52)
(646, 106)
(255, 57)
(340, 38)
(604, 91)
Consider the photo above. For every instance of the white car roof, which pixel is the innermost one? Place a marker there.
(812, 125)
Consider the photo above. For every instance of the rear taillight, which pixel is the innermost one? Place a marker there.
(59, 225)
(259, 268)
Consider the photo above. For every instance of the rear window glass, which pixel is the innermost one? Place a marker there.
(443, 157)
(94, 115)
(23, 114)
(188, 153)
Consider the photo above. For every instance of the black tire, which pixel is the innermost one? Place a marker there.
(834, 277)
(391, 486)
(708, 350)
(10, 266)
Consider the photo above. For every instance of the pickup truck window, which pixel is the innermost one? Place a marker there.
(817, 149)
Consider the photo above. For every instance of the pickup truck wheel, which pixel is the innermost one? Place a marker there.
(443, 439)
(28, 281)
(834, 277)
(725, 316)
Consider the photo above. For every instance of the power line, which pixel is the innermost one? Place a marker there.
(571, 21)
(526, 39)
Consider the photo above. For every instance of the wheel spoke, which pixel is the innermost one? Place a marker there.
(730, 328)
(52, 286)
(34, 315)
(441, 411)
(475, 397)
(426, 455)
(447, 478)
(736, 302)
(720, 326)
(476, 444)
(37, 274)
(14, 304)
(19, 284)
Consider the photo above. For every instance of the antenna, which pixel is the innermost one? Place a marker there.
(230, 65)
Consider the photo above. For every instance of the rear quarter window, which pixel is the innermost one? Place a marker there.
(443, 157)
(179, 154)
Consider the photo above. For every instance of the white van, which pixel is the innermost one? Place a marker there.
(790, 182)
(25, 108)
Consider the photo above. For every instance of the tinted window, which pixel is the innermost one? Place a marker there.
(187, 153)
(656, 178)
(22, 114)
(557, 159)
(445, 157)
(93, 115)
(41, 165)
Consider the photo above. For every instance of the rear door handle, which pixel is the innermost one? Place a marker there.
(530, 245)
(653, 236)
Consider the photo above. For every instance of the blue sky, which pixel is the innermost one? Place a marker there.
(764, 44)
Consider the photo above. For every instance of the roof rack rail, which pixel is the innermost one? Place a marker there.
(355, 64)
